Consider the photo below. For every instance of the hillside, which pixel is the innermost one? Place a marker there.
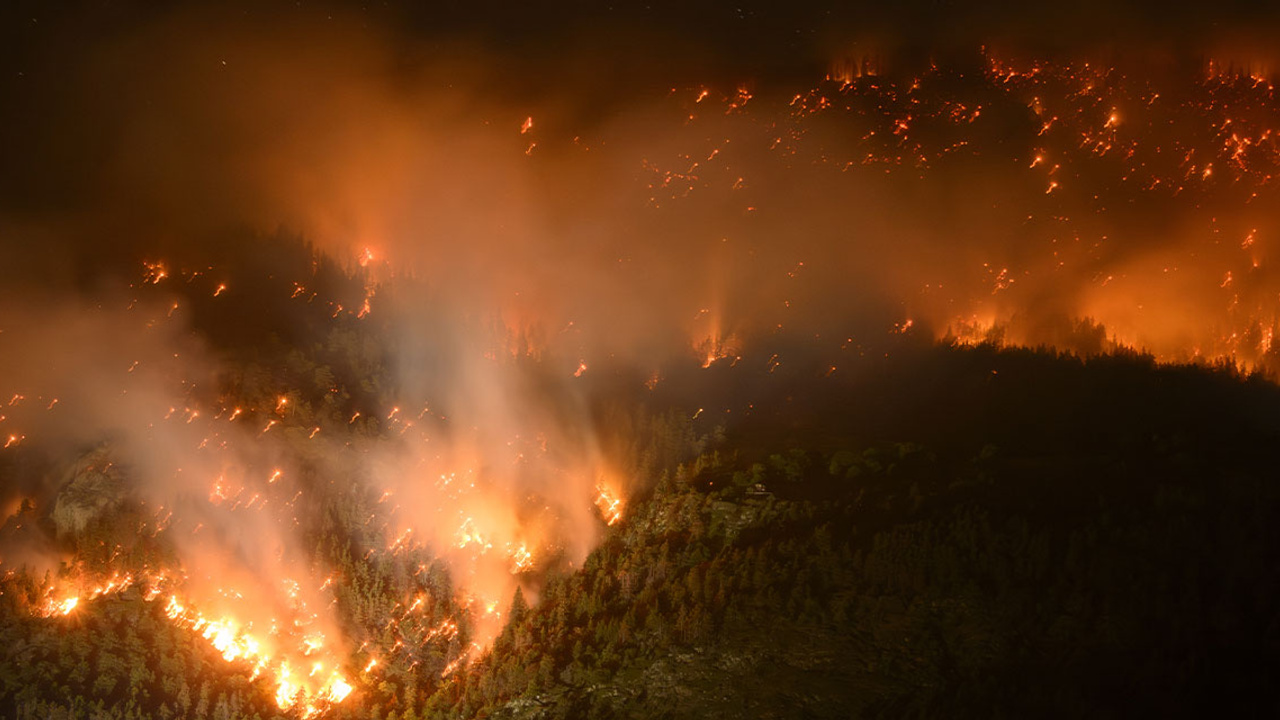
(1025, 534)
(412, 360)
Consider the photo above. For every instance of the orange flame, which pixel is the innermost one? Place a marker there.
(609, 504)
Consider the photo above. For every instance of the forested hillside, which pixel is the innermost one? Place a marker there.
(948, 531)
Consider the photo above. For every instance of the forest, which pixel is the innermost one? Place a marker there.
(939, 529)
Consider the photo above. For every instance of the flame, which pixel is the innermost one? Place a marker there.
(155, 272)
(64, 601)
(235, 641)
(715, 348)
(461, 660)
(976, 313)
(521, 559)
(609, 503)
(311, 695)
(468, 535)
(64, 607)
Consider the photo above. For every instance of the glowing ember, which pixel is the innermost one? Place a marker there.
(468, 535)
(310, 695)
(64, 603)
(609, 504)
(64, 607)
(741, 173)
(235, 642)
(521, 559)
(155, 272)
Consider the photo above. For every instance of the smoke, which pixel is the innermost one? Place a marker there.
(523, 221)
(124, 400)
(202, 124)
(628, 215)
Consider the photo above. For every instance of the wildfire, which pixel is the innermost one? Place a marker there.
(63, 607)
(461, 660)
(713, 349)
(63, 602)
(309, 695)
(154, 272)
(609, 504)
(521, 559)
(1067, 104)
(468, 535)
(235, 641)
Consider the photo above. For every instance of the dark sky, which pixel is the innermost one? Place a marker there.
(77, 76)
(44, 44)
(756, 34)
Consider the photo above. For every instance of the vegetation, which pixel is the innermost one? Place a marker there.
(1121, 570)
(942, 531)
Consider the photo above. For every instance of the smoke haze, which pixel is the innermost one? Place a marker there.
(513, 223)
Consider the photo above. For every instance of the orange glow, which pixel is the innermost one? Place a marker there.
(609, 503)
(268, 652)
(521, 559)
(64, 607)
(780, 236)
(468, 535)
(155, 272)
(63, 602)
(310, 695)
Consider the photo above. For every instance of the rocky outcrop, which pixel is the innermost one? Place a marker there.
(93, 487)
